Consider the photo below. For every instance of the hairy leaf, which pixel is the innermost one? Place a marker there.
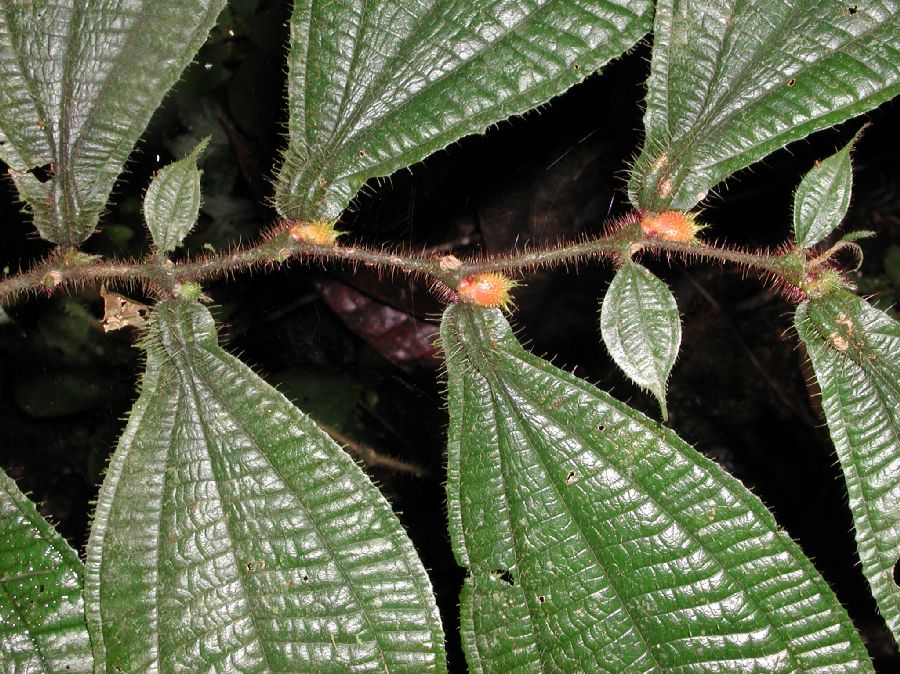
(231, 534)
(855, 353)
(640, 324)
(374, 87)
(823, 197)
(42, 626)
(598, 541)
(80, 81)
(732, 81)
(172, 202)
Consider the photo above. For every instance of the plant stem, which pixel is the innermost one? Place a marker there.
(163, 277)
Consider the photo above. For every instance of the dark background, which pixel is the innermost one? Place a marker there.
(355, 350)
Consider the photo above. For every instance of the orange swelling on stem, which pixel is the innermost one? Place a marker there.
(674, 226)
(487, 289)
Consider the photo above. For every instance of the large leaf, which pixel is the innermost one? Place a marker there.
(641, 327)
(376, 86)
(598, 541)
(855, 353)
(822, 198)
(80, 81)
(732, 81)
(42, 625)
(231, 534)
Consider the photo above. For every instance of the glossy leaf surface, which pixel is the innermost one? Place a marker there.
(80, 81)
(823, 197)
(231, 534)
(597, 540)
(376, 86)
(641, 327)
(42, 626)
(855, 352)
(732, 81)
(172, 202)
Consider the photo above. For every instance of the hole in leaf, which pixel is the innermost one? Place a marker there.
(505, 576)
(852, 9)
(41, 587)
(791, 82)
(571, 477)
(541, 599)
(305, 578)
(897, 573)
(601, 427)
(43, 173)
(251, 566)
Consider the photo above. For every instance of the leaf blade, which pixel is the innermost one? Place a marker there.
(592, 512)
(731, 82)
(81, 80)
(255, 527)
(855, 353)
(641, 327)
(172, 201)
(376, 87)
(42, 626)
(822, 199)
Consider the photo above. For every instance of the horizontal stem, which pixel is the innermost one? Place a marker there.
(61, 270)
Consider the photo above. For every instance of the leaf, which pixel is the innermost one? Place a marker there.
(823, 197)
(80, 81)
(231, 534)
(855, 352)
(641, 327)
(374, 87)
(597, 540)
(732, 81)
(172, 202)
(42, 626)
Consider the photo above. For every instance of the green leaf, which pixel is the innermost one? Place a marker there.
(172, 202)
(640, 324)
(80, 81)
(42, 626)
(732, 81)
(855, 352)
(376, 86)
(598, 541)
(231, 534)
(822, 199)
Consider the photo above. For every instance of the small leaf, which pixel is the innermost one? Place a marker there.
(731, 82)
(640, 324)
(172, 202)
(80, 82)
(376, 86)
(823, 197)
(857, 235)
(855, 352)
(42, 626)
(596, 540)
(231, 534)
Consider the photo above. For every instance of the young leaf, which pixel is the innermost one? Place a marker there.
(42, 626)
(172, 202)
(821, 201)
(231, 534)
(597, 540)
(640, 324)
(732, 81)
(855, 352)
(80, 81)
(374, 87)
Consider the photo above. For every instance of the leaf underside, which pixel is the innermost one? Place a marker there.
(855, 352)
(374, 87)
(80, 82)
(42, 626)
(732, 81)
(597, 540)
(641, 327)
(231, 534)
